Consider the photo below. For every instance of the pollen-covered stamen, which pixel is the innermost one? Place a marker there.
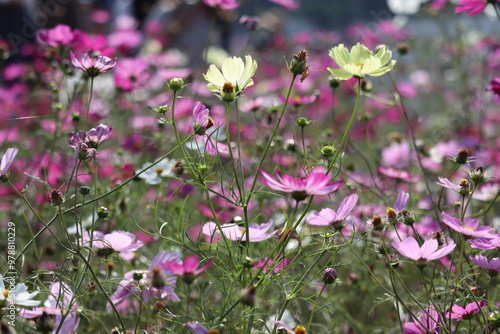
(159, 170)
(210, 123)
(360, 65)
(6, 293)
(228, 87)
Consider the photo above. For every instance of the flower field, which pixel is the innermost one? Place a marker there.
(315, 181)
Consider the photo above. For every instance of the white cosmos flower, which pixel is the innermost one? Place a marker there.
(20, 297)
(360, 61)
(234, 78)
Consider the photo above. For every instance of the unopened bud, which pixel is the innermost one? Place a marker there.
(102, 212)
(329, 275)
(328, 150)
(377, 223)
(477, 175)
(157, 278)
(84, 190)
(298, 65)
(462, 156)
(248, 296)
(402, 48)
(303, 122)
(464, 187)
(56, 197)
(176, 84)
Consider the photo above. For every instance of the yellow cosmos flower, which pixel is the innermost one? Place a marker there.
(234, 78)
(360, 62)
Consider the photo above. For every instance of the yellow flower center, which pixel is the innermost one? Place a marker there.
(469, 227)
(213, 331)
(300, 330)
(6, 293)
(360, 65)
(159, 170)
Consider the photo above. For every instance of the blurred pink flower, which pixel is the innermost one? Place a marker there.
(486, 244)
(495, 86)
(196, 328)
(402, 201)
(469, 227)
(288, 4)
(7, 160)
(236, 232)
(410, 248)
(131, 73)
(140, 282)
(189, 269)
(329, 216)
(458, 312)
(428, 323)
(399, 174)
(492, 266)
(93, 66)
(444, 182)
(313, 184)
(222, 4)
(282, 263)
(60, 35)
(473, 7)
(60, 302)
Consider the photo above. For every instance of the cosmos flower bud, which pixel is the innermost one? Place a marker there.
(328, 150)
(56, 197)
(84, 190)
(303, 122)
(462, 156)
(176, 84)
(477, 175)
(102, 212)
(298, 65)
(464, 187)
(402, 48)
(45, 323)
(163, 109)
(157, 278)
(329, 275)
(377, 223)
(248, 296)
(406, 217)
(391, 215)
(334, 83)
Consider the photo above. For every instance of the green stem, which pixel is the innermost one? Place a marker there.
(85, 125)
(270, 141)
(314, 308)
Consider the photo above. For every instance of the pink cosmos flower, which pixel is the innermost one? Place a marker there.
(235, 232)
(328, 216)
(59, 302)
(93, 66)
(196, 328)
(409, 248)
(469, 227)
(60, 35)
(266, 263)
(458, 312)
(7, 160)
(399, 174)
(222, 4)
(189, 269)
(402, 201)
(131, 73)
(122, 242)
(444, 182)
(428, 323)
(92, 138)
(156, 282)
(486, 244)
(473, 7)
(313, 184)
(288, 4)
(495, 86)
(492, 266)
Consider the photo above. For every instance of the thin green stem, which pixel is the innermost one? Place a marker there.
(85, 125)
